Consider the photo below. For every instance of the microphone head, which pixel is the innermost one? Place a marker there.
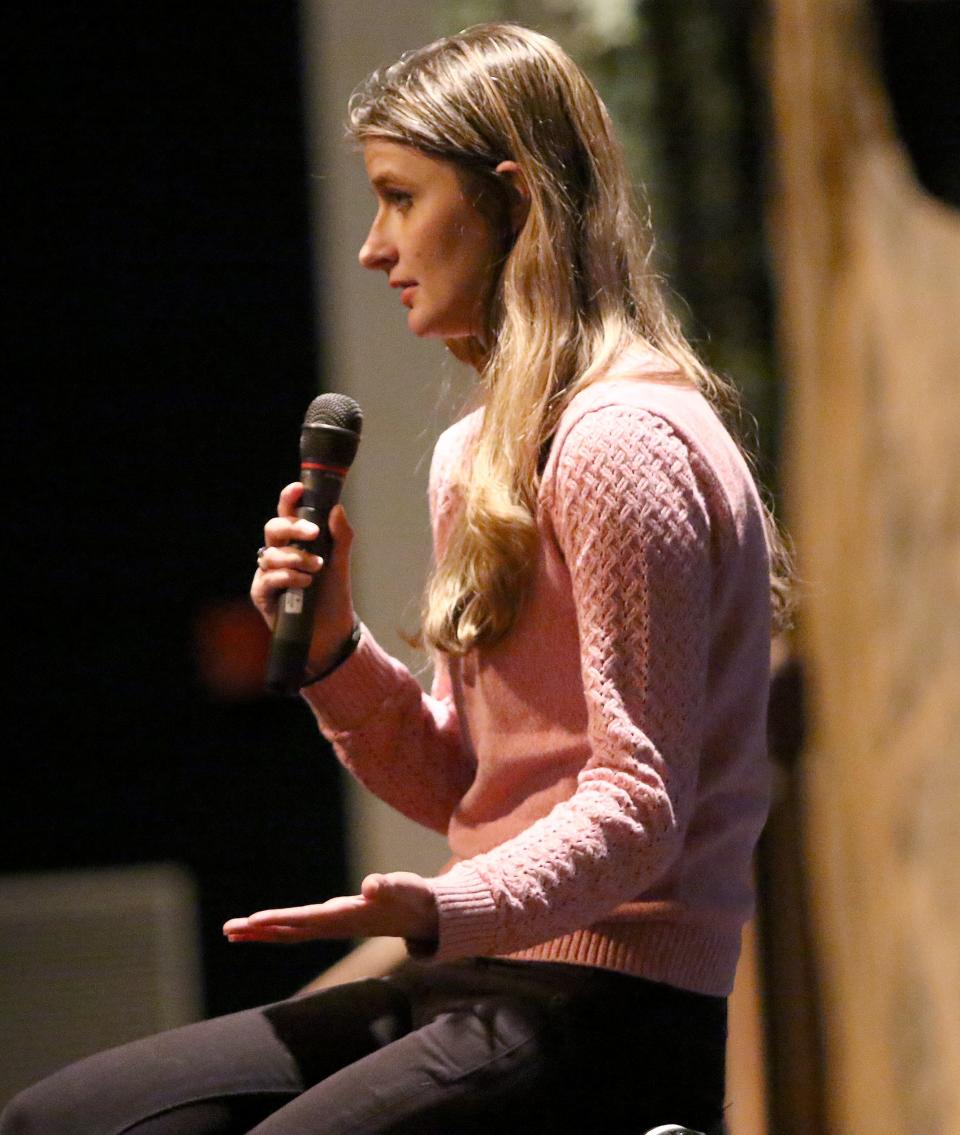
(334, 410)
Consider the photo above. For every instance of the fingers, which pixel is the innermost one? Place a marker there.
(281, 569)
(288, 566)
(373, 887)
(282, 530)
(336, 918)
(400, 904)
(340, 528)
(276, 934)
(268, 921)
(286, 527)
(285, 564)
(289, 499)
(282, 564)
(397, 884)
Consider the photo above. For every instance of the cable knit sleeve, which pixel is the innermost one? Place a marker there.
(632, 523)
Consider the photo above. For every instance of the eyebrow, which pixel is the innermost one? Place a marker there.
(388, 177)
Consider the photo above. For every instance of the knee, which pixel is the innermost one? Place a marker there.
(71, 1101)
(33, 1111)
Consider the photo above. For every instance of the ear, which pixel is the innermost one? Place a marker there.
(519, 193)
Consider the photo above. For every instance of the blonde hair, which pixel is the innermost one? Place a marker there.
(573, 293)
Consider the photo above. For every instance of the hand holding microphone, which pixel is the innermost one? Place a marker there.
(302, 585)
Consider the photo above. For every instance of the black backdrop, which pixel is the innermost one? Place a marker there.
(164, 328)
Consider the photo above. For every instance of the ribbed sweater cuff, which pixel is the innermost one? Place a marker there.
(352, 693)
(468, 915)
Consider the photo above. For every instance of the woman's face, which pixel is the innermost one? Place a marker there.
(435, 246)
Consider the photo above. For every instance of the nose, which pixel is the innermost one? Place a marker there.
(377, 251)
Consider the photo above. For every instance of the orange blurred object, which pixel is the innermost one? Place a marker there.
(231, 644)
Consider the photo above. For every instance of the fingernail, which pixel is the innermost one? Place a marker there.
(319, 560)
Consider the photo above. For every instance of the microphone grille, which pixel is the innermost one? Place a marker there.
(334, 410)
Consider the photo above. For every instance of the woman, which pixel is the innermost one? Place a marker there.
(599, 612)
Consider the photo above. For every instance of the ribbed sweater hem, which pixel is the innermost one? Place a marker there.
(688, 957)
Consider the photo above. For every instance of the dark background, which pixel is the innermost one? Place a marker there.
(163, 331)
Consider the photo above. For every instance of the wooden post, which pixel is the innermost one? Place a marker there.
(870, 283)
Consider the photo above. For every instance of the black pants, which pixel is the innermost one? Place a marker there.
(477, 1046)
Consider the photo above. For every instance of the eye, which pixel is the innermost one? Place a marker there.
(399, 198)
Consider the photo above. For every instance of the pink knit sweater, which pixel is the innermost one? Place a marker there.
(601, 774)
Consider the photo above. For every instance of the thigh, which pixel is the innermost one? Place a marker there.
(214, 1077)
(542, 1049)
(473, 1068)
(116, 1089)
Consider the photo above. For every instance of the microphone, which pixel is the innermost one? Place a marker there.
(328, 444)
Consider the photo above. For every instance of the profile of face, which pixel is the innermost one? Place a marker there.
(430, 239)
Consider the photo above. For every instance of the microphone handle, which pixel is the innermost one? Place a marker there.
(296, 608)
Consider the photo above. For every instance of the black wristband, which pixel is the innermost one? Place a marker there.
(349, 646)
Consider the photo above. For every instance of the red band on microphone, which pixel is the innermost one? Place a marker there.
(340, 470)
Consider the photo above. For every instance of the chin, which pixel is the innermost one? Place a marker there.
(423, 329)
(421, 324)
(418, 325)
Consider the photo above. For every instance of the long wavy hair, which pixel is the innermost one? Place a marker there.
(572, 292)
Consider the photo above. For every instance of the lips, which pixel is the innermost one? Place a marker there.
(406, 296)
